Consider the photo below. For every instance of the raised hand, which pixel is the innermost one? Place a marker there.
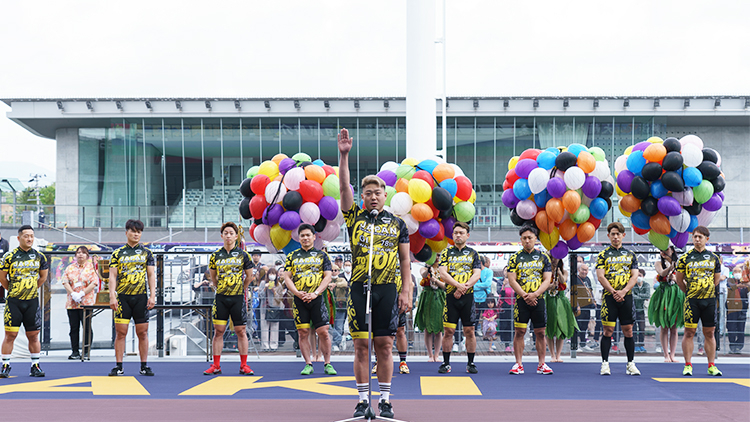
(345, 142)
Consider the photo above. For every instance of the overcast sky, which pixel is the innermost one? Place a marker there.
(357, 48)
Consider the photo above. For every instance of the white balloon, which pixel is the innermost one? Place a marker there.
(295, 235)
(439, 160)
(457, 170)
(411, 223)
(691, 139)
(526, 209)
(309, 213)
(276, 190)
(680, 222)
(621, 163)
(685, 198)
(293, 177)
(339, 218)
(538, 179)
(692, 156)
(389, 165)
(330, 232)
(601, 171)
(704, 218)
(574, 178)
(586, 200)
(401, 203)
(319, 243)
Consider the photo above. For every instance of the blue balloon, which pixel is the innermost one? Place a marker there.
(636, 162)
(521, 189)
(427, 165)
(290, 247)
(598, 208)
(319, 162)
(692, 177)
(672, 233)
(576, 149)
(541, 198)
(546, 160)
(693, 223)
(553, 150)
(658, 190)
(450, 185)
(640, 220)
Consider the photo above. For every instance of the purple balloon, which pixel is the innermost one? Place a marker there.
(524, 167)
(272, 214)
(556, 187)
(429, 229)
(721, 195)
(388, 177)
(591, 187)
(714, 203)
(624, 179)
(681, 239)
(509, 198)
(574, 243)
(560, 250)
(448, 226)
(289, 220)
(641, 146)
(286, 164)
(328, 207)
(669, 206)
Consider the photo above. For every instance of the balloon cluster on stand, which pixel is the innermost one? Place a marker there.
(430, 196)
(565, 192)
(669, 187)
(282, 193)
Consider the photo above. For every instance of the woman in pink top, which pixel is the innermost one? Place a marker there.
(81, 281)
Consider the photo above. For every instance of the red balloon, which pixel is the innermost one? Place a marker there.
(511, 176)
(594, 221)
(416, 242)
(640, 231)
(435, 211)
(426, 176)
(251, 231)
(507, 185)
(257, 205)
(329, 170)
(464, 188)
(441, 234)
(530, 153)
(311, 191)
(258, 184)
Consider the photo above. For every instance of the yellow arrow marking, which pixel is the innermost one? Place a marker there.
(453, 386)
(100, 386)
(227, 386)
(740, 381)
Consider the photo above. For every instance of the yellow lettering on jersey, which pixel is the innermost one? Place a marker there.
(100, 386)
(227, 386)
(739, 381)
(454, 386)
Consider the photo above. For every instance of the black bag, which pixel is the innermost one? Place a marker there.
(273, 314)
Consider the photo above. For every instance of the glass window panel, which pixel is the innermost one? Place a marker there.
(524, 134)
(308, 129)
(250, 143)
(329, 150)
(400, 139)
(386, 140)
(290, 138)
(465, 146)
(484, 159)
(367, 147)
(545, 133)
(269, 133)
(232, 168)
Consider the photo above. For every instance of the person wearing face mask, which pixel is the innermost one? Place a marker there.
(81, 281)
(641, 293)
(737, 297)
(272, 296)
(347, 273)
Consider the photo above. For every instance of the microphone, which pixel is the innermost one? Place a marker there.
(373, 214)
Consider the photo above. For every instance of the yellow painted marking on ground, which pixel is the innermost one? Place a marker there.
(227, 386)
(717, 380)
(453, 386)
(100, 386)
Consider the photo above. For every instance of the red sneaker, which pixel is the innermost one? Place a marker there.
(544, 369)
(213, 370)
(516, 370)
(245, 370)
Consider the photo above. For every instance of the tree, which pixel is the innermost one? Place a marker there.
(48, 195)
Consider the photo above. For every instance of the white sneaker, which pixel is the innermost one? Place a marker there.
(335, 348)
(605, 369)
(463, 345)
(631, 369)
(455, 347)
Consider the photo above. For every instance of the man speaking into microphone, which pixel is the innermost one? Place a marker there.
(390, 249)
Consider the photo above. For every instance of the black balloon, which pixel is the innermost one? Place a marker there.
(441, 199)
(245, 188)
(609, 203)
(304, 164)
(651, 171)
(565, 160)
(719, 184)
(673, 182)
(292, 201)
(516, 219)
(321, 224)
(709, 170)
(649, 206)
(710, 154)
(245, 208)
(672, 161)
(694, 209)
(640, 188)
(447, 213)
(607, 190)
(672, 144)
(424, 254)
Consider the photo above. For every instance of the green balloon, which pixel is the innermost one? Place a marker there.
(581, 215)
(390, 191)
(432, 259)
(703, 192)
(658, 240)
(598, 153)
(464, 211)
(405, 171)
(252, 171)
(331, 186)
(301, 157)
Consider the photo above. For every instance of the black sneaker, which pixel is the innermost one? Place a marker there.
(116, 371)
(444, 369)
(471, 368)
(360, 410)
(5, 372)
(145, 370)
(386, 409)
(36, 371)
(74, 356)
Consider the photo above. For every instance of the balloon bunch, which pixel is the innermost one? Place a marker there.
(669, 187)
(430, 196)
(282, 193)
(564, 191)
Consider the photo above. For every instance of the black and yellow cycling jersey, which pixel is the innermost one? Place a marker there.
(230, 268)
(529, 268)
(460, 264)
(131, 263)
(390, 232)
(617, 265)
(306, 268)
(399, 280)
(23, 269)
(699, 269)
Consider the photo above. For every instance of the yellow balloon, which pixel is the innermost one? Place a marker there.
(655, 140)
(549, 240)
(473, 196)
(336, 169)
(437, 246)
(512, 162)
(628, 150)
(625, 213)
(269, 168)
(278, 157)
(620, 193)
(410, 161)
(419, 190)
(280, 237)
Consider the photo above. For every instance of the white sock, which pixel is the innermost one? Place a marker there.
(35, 358)
(6, 359)
(385, 391)
(362, 390)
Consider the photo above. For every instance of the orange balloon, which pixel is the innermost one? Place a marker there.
(571, 201)
(278, 178)
(278, 157)
(660, 224)
(655, 153)
(630, 203)
(422, 212)
(315, 173)
(555, 210)
(586, 161)
(402, 185)
(545, 224)
(585, 232)
(568, 229)
(443, 171)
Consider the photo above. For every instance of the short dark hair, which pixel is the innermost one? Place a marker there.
(229, 224)
(528, 228)
(135, 225)
(255, 252)
(24, 227)
(305, 226)
(616, 225)
(84, 249)
(462, 225)
(702, 230)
